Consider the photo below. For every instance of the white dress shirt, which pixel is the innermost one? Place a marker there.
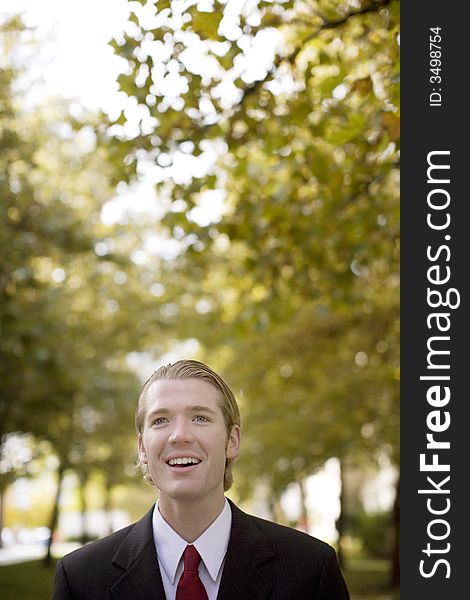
(211, 545)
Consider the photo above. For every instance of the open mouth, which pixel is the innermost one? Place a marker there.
(183, 462)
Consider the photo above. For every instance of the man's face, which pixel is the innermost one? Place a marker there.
(184, 440)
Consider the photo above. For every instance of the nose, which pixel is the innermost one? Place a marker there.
(181, 432)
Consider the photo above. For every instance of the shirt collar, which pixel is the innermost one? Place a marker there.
(211, 544)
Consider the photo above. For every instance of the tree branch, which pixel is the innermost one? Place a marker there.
(373, 6)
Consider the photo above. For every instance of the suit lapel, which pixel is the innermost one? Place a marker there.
(247, 550)
(137, 557)
(241, 577)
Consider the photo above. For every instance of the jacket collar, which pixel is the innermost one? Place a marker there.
(137, 557)
(241, 577)
(247, 550)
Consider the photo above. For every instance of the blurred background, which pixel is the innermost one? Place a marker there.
(215, 180)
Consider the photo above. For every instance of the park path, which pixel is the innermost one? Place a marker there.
(18, 553)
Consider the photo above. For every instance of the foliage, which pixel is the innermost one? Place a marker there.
(71, 298)
(278, 179)
(298, 271)
(374, 530)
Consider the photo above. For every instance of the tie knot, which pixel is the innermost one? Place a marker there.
(191, 558)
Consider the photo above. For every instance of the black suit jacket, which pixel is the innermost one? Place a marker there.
(263, 561)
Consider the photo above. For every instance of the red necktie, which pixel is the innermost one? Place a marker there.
(190, 587)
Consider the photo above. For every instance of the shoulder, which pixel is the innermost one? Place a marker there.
(98, 550)
(291, 559)
(90, 571)
(131, 539)
(284, 541)
(280, 535)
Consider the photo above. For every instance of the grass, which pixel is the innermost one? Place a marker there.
(369, 580)
(366, 579)
(27, 580)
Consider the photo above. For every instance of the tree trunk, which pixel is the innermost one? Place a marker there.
(303, 522)
(272, 508)
(108, 507)
(341, 520)
(5, 479)
(55, 513)
(2, 505)
(395, 570)
(82, 480)
(277, 511)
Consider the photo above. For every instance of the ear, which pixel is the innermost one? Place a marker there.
(233, 443)
(141, 450)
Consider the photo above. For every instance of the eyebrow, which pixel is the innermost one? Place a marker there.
(188, 409)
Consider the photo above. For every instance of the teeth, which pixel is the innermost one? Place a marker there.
(183, 461)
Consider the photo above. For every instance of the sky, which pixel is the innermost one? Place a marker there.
(75, 60)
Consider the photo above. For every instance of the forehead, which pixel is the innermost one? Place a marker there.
(179, 393)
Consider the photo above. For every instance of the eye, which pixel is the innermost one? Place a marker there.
(160, 421)
(200, 419)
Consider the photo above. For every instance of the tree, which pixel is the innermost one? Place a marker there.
(299, 269)
(74, 303)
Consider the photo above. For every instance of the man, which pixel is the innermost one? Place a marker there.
(194, 544)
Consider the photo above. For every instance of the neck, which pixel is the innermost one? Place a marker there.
(188, 518)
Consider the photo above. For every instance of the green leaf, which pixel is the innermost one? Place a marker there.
(205, 24)
(162, 4)
(341, 133)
